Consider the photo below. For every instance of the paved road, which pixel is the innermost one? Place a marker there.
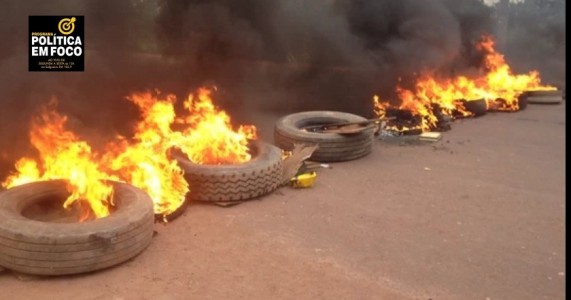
(478, 215)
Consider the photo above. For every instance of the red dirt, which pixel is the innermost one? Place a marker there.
(478, 215)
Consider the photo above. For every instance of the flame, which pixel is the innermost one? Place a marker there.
(502, 83)
(432, 95)
(205, 135)
(62, 155)
(208, 137)
(144, 161)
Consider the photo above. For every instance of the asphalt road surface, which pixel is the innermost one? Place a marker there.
(478, 215)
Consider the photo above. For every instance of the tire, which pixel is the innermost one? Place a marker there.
(522, 102)
(477, 107)
(232, 183)
(332, 147)
(543, 97)
(42, 248)
(174, 215)
(500, 105)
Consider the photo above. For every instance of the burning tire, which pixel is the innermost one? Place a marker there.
(232, 183)
(333, 147)
(543, 97)
(477, 107)
(43, 248)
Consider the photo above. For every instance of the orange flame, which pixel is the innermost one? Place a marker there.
(500, 81)
(497, 85)
(206, 137)
(62, 155)
(144, 162)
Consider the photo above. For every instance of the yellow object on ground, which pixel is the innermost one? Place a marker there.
(304, 180)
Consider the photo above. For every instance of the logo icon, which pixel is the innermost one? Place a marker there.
(66, 25)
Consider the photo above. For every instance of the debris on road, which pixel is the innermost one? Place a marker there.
(430, 136)
(297, 172)
(304, 180)
(313, 165)
(348, 127)
(295, 159)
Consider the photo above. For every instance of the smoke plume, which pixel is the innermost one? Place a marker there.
(532, 35)
(279, 55)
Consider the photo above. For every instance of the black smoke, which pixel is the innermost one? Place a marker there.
(532, 35)
(320, 54)
(93, 99)
(278, 55)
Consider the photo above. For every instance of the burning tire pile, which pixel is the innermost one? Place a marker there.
(432, 101)
(71, 210)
